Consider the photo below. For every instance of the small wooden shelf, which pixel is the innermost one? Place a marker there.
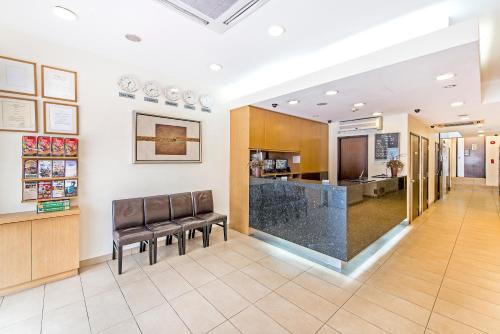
(48, 199)
(51, 179)
(37, 157)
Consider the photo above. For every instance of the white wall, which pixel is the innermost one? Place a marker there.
(106, 171)
(492, 152)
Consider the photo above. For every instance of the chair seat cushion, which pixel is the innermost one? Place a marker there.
(190, 223)
(162, 229)
(132, 235)
(212, 217)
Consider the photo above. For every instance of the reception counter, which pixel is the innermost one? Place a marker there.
(335, 220)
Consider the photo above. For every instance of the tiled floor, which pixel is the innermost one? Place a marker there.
(442, 277)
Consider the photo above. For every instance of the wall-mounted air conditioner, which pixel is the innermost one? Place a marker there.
(361, 124)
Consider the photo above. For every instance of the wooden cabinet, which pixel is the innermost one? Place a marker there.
(38, 248)
(257, 128)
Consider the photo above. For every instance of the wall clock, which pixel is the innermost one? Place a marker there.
(172, 94)
(189, 97)
(206, 101)
(128, 84)
(151, 89)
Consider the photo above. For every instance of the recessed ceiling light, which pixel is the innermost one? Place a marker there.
(331, 92)
(481, 135)
(464, 117)
(276, 30)
(377, 114)
(215, 67)
(457, 104)
(321, 104)
(445, 76)
(64, 13)
(293, 102)
(133, 38)
(450, 86)
(480, 131)
(359, 105)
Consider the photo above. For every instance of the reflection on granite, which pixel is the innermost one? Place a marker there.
(338, 221)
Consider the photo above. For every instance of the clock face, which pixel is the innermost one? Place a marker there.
(128, 84)
(206, 101)
(151, 89)
(172, 94)
(189, 97)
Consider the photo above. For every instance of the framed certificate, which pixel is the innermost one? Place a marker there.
(59, 84)
(59, 118)
(17, 114)
(17, 76)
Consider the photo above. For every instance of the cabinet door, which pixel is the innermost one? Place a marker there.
(257, 128)
(282, 132)
(55, 247)
(15, 254)
(309, 147)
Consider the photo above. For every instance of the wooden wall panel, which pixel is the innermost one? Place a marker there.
(55, 246)
(281, 132)
(257, 128)
(15, 253)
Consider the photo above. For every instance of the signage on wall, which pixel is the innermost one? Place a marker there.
(172, 104)
(149, 99)
(126, 95)
(386, 146)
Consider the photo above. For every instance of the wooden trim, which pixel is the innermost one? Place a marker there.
(42, 157)
(36, 113)
(35, 83)
(60, 133)
(64, 70)
(16, 217)
(38, 282)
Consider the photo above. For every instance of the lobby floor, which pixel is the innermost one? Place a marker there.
(443, 276)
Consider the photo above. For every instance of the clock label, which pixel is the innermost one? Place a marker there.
(206, 109)
(189, 106)
(172, 104)
(149, 99)
(126, 95)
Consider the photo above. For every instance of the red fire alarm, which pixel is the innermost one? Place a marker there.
(493, 142)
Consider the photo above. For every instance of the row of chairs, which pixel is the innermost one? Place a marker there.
(144, 220)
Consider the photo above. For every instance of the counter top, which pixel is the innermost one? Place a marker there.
(15, 217)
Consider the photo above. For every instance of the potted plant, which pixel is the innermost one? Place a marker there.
(395, 165)
(256, 167)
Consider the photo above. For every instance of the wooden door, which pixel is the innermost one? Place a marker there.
(474, 157)
(415, 175)
(15, 253)
(353, 157)
(425, 174)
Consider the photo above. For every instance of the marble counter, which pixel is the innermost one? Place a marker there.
(336, 220)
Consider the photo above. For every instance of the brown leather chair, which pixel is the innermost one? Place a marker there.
(129, 228)
(157, 219)
(181, 212)
(204, 209)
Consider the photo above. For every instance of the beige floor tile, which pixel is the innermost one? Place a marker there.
(264, 276)
(288, 315)
(215, 265)
(225, 299)
(308, 301)
(131, 271)
(126, 327)
(177, 260)
(21, 306)
(106, 310)
(333, 277)
(28, 326)
(247, 251)
(142, 296)
(143, 260)
(444, 325)
(161, 320)
(326, 290)
(196, 312)
(97, 279)
(246, 286)
(233, 258)
(62, 293)
(225, 328)
(348, 323)
(327, 330)
(281, 267)
(67, 319)
(171, 284)
(254, 321)
(195, 274)
(470, 302)
(472, 290)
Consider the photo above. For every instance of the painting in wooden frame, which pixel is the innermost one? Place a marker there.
(59, 84)
(165, 139)
(60, 118)
(18, 76)
(18, 114)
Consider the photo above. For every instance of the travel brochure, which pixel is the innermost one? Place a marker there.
(50, 146)
(44, 169)
(50, 189)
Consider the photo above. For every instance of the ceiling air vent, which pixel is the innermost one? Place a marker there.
(455, 124)
(218, 15)
(362, 124)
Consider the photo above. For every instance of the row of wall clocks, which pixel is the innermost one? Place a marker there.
(152, 90)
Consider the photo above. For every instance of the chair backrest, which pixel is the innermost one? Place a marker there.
(128, 213)
(181, 205)
(156, 209)
(203, 202)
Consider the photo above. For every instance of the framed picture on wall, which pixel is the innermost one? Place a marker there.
(163, 139)
(60, 118)
(18, 114)
(17, 76)
(59, 84)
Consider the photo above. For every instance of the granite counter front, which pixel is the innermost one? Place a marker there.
(336, 220)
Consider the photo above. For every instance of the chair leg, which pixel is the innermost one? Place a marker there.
(120, 259)
(114, 251)
(183, 243)
(225, 231)
(155, 250)
(142, 247)
(209, 229)
(150, 248)
(179, 242)
(205, 233)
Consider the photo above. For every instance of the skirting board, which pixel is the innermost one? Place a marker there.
(38, 282)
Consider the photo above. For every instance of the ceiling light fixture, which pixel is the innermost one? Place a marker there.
(445, 76)
(377, 114)
(276, 30)
(457, 104)
(215, 67)
(359, 105)
(64, 13)
(293, 102)
(331, 92)
(133, 38)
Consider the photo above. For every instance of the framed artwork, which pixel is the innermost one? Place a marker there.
(59, 84)
(163, 139)
(18, 114)
(17, 76)
(60, 118)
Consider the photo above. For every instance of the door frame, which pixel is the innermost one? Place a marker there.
(437, 171)
(411, 176)
(339, 152)
(424, 205)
